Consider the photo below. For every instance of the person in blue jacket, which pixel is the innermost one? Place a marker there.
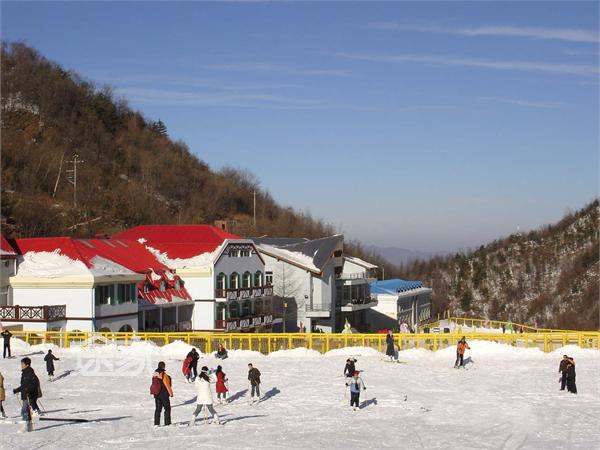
(356, 385)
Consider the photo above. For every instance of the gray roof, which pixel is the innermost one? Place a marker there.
(277, 242)
(319, 250)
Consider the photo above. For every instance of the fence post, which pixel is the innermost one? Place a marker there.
(435, 342)
(579, 336)
(545, 343)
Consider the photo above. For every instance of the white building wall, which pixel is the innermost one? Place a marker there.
(7, 270)
(350, 267)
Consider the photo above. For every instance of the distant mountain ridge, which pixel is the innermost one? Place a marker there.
(399, 256)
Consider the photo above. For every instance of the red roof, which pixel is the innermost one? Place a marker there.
(129, 254)
(179, 241)
(6, 250)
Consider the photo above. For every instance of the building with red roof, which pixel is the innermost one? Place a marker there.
(102, 285)
(223, 273)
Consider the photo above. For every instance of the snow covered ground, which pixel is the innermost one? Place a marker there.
(507, 399)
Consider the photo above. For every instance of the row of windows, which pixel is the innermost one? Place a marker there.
(244, 253)
(115, 294)
(236, 281)
(234, 309)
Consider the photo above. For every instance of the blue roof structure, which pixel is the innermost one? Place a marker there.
(394, 286)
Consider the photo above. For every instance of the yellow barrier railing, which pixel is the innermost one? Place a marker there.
(265, 343)
(487, 323)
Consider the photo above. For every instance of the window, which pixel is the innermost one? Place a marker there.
(233, 309)
(221, 310)
(163, 286)
(337, 253)
(245, 253)
(234, 253)
(266, 306)
(258, 278)
(221, 281)
(234, 281)
(269, 278)
(104, 295)
(177, 284)
(245, 308)
(247, 280)
(258, 307)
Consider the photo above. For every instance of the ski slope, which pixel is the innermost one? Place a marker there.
(507, 399)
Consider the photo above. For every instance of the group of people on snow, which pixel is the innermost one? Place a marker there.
(162, 390)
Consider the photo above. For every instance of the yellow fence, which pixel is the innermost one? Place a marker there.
(497, 324)
(321, 342)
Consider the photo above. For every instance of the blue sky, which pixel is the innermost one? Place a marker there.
(429, 126)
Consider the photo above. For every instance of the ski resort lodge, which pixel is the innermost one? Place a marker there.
(321, 287)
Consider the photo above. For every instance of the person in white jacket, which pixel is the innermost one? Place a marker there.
(204, 398)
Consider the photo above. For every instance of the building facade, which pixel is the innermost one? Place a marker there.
(399, 301)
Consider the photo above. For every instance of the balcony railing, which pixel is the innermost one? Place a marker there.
(326, 307)
(243, 293)
(354, 276)
(46, 313)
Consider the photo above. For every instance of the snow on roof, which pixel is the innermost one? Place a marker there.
(204, 259)
(6, 250)
(56, 265)
(294, 257)
(360, 262)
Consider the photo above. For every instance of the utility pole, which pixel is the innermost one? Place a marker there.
(72, 177)
(254, 194)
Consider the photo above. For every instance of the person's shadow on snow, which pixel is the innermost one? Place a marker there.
(65, 374)
(237, 395)
(372, 401)
(271, 393)
(187, 402)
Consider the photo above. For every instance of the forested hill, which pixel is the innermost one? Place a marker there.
(547, 277)
(132, 174)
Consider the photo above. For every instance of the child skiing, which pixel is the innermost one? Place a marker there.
(221, 386)
(161, 389)
(29, 389)
(2, 396)
(460, 352)
(356, 385)
(254, 378)
(204, 398)
(50, 358)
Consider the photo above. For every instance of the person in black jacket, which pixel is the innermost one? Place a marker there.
(562, 369)
(29, 389)
(571, 387)
(254, 379)
(6, 335)
(350, 368)
(390, 349)
(50, 358)
(193, 364)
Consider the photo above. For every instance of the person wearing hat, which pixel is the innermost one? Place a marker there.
(50, 358)
(356, 385)
(460, 352)
(162, 398)
(204, 398)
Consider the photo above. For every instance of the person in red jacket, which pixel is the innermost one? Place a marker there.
(460, 352)
(221, 385)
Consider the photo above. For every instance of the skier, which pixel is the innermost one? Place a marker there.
(29, 389)
(350, 368)
(460, 352)
(50, 358)
(204, 397)
(356, 384)
(193, 357)
(161, 389)
(221, 352)
(254, 378)
(562, 369)
(390, 350)
(571, 387)
(2, 396)
(6, 335)
(221, 386)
